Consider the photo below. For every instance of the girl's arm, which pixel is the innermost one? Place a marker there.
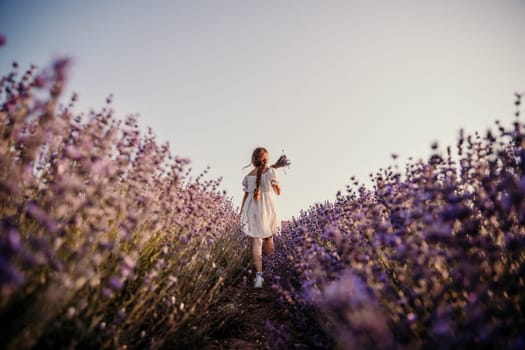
(275, 184)
(277, 189)
(244, 200)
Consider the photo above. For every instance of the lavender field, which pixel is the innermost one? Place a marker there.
(431, 258)
(107, 240)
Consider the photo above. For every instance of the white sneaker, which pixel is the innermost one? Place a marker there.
(259, 281)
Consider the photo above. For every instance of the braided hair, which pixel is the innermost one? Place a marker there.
(260, 164)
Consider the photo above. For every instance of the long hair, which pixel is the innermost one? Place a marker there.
(260, 164)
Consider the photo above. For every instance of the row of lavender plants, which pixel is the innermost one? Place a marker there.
(107, 240)
(430, 257)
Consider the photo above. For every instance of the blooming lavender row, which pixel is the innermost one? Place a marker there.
(106, 239)
(432, 257)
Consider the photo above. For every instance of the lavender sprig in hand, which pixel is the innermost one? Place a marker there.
(282, 162)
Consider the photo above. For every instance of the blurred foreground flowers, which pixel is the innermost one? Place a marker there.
(431, 258)
(106, 240)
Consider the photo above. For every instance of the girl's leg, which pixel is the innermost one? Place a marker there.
(257, 253)
(268, 247)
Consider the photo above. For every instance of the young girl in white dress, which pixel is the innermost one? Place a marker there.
(259, 209)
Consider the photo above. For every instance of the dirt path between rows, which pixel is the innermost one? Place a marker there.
(242, 324)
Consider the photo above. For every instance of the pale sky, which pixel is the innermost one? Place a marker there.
(338, 85)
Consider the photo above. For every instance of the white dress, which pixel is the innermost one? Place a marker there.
(261, 217)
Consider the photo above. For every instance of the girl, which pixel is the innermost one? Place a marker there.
(259, 210)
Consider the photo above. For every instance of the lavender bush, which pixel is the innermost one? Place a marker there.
(429, 258)
(106, 239)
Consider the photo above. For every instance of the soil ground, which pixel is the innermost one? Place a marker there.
(242, 320)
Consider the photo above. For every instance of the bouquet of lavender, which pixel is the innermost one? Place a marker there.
(282, 162)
